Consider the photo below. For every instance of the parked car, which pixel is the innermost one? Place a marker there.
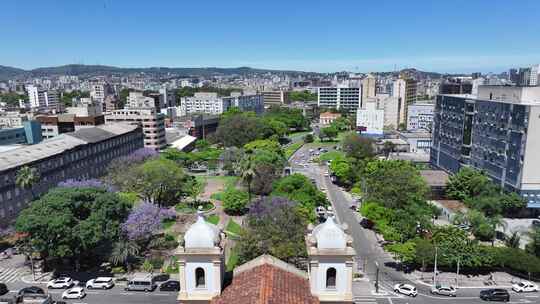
(406, 289)
(329, 211)
(525, 286)
(101, 283)
(444, 291)
(141, 282)
(495, 294)
(30, 290)
(74, 293)
(170, 285)
(3, 289)
(536, 223)
(62, 282)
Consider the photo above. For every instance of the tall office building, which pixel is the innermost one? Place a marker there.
(346, 98)
(370, 119)
(275, 97)
(369, 85)
(535, 70)
(524, 76)
(404, 89)
(496, 131)
(42, 99)
(513, 75)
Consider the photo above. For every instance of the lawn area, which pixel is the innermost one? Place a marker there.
(168, 223)
(233, 227)
(298, 134)
(233, 259)
(185, 208)
(290, 149)
(213, 219)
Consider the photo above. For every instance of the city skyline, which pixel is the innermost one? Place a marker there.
(361, 37)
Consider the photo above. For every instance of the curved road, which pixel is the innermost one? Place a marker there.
(369, 252)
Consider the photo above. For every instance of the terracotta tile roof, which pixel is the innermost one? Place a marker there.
(267, 284)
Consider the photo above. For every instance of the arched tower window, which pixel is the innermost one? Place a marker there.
(331, 278)
(200, 280)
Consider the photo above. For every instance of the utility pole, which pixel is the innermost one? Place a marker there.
(377, 278)
(457, 271)
(435, 269)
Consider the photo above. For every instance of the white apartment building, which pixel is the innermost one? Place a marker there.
(535, 71)
(98, 92)
(347, 98)
(369, 85)
(12, 120)
(138, 100)
(420, 116)
(208, 103)
(152, 122)
(42, 99)
(86, 107)
(370, 119)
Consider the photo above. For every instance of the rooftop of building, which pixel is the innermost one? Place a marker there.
(415, 134)
(267, 279)
(526, 95)
(57, 145)
(435, 178)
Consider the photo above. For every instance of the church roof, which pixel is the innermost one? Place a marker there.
(267, 280)
(201, 234)
(329, 235)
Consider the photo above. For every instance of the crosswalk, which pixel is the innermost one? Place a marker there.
(8, 275)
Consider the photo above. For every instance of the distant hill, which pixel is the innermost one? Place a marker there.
(93, 70)
(9, 72)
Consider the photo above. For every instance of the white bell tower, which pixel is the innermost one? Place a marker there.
(331, 262)
(200, 263)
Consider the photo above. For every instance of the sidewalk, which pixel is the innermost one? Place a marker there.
(40, 279)
(500, 279)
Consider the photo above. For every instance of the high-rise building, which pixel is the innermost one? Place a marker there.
(369, 85)
(211, 103)
(404, 90)
(151, 121)
(346, 98)
(524, 76)
(42, 99)
(535, 70)
(496, 131)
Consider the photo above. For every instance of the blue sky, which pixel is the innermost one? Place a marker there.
(325, 36)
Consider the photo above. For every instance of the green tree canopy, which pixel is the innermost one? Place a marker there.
(393, 183)
(358, 147)
(329, 133)
(73, 222)
(234, 201)
(298, 188)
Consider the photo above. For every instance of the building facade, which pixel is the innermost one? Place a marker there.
(370, 119)
(82, 154)
(346, 98)
(275, 97)
(152, 123)
(496, 132)
(42, 99)
(420, 116)
(404, 90)
(245, 103)
(369, 85)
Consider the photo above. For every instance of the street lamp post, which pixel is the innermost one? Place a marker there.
(377, 278)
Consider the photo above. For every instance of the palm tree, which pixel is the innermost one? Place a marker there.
(248, 173)
(26, 178)
(123, 251)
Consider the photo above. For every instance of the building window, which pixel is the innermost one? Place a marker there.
(199, 278)
(331, 278)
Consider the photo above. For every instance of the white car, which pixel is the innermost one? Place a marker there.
(74, 293)
(444, 291)
(406, 289)
(524, 286)
(329, 211)
(62, 282)
(100, 283)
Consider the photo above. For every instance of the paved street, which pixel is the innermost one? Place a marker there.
(369, 251)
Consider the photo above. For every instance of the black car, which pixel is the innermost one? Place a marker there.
(495, 295)
(366, 223)
(3, 289)
(30, 290)
(170, 286)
